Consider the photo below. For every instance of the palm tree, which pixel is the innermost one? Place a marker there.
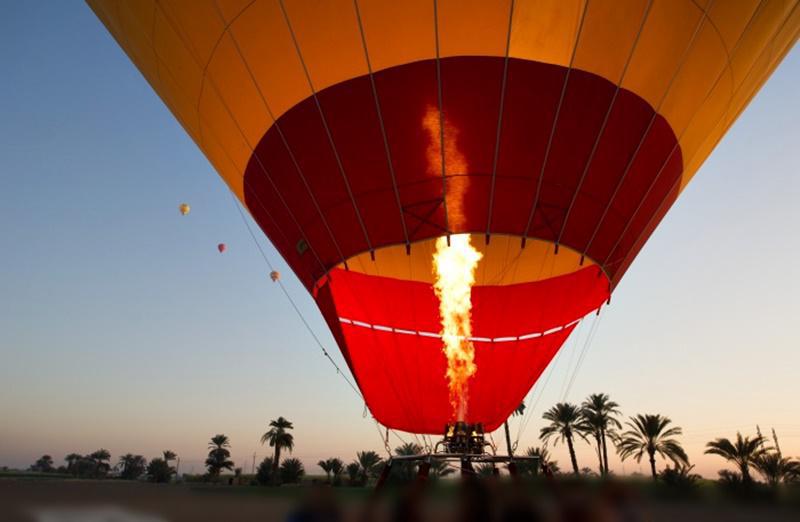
(132, 466)
(440, 468)
(279, 438)
(486, 469)
(336, 466)
(742, 453)
(600, 413)
(353, 470)
(408, 449)
(43, 464)
(169, 455)
(72, 462)
(325, 465)
(592, 423)
(406, 469)
(369, 461)
(565, 423)
(544, 460)
(776, 469)
(219, 455)
(519, 410)
(650, 434)
(100, 459)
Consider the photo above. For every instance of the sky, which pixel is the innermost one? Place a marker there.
(122, 327)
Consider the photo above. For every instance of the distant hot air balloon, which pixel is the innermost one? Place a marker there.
(222, 247)
(358, 133)
(274, 275)
(184, 208)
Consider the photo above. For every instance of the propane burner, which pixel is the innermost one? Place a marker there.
(463, 438)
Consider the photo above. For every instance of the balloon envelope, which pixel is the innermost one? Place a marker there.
(357, 133)
(184, 209)
(222, 247)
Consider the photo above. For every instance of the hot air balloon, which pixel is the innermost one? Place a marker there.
(549, 136)
(275, 275)
(222, 247)
(184, 208)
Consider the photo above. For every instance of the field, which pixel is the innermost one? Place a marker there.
(59, 500)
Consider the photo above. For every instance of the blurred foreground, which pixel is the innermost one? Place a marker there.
(456, 500)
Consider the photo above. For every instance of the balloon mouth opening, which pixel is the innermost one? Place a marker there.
(526, 259)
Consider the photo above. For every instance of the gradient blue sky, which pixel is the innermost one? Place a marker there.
(121, 325)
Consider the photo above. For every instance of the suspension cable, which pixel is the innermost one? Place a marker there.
(582, 356)
(289, 297)
(317, 340)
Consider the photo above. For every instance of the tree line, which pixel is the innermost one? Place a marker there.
(97, 465)
(597, 421)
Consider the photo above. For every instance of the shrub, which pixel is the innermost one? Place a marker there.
(679, 476)
(159, 471)
(353, 471)
(264, 472)
(292, 471)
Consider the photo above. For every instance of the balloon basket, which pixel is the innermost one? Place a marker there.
(463, 446)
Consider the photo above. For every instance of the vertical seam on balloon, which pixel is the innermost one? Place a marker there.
(200, 128)
(244, 139)
(555, 123)
(603, 125)
(327, 129)
(420, 382)
(389, 160)
(499, 124)
(441, 116)
(382, 281)
(225, 25)
(652, 121)
(707, 13)
(605, 263)
(158, 60)
(621, 261)
(728, 108)
(285, 142)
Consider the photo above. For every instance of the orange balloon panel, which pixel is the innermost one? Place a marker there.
(557, 132)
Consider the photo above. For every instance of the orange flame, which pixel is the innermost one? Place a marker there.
(455, 275)
(455, 163)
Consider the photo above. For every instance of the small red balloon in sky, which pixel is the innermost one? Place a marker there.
(222, 247)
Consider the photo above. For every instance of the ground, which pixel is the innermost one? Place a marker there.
(34, 500)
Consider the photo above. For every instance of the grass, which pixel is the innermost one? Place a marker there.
(33, 475)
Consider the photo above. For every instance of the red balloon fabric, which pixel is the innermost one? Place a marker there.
(388, 330)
